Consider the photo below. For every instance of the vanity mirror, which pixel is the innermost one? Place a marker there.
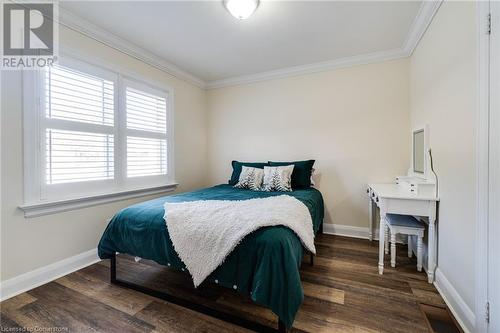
(419, 151)
(420, 178)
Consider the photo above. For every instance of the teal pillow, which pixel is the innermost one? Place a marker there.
(237, 169)
(302, 170)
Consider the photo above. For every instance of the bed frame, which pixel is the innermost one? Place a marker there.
(227, 317)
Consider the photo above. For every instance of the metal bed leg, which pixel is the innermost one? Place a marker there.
(281, 326)
(311, 256)
(113, 269)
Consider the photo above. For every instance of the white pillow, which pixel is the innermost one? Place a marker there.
(278, 178)
(250, 178)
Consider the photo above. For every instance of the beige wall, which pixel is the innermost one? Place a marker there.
(443, 84)
(353, 121)
(27, 244)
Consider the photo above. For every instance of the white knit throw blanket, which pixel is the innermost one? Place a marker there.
(204, 233)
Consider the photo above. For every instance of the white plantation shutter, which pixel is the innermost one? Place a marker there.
(146, 113)
(146, 157)
(78, 156)
(76, 96)
(79, 118)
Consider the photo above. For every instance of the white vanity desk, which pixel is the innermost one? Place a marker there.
(397, 199)
(415, 194)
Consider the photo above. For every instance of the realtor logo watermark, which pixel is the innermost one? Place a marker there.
(29, 34)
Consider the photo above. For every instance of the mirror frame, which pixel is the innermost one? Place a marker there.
(415, 132)
(411, 171)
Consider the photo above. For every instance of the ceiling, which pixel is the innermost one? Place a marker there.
(204, 40)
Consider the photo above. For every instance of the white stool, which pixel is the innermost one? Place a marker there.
(407, 225)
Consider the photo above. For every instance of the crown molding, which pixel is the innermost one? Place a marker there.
(101, 35)
(423, 19)
(426, 13)
(310, 68)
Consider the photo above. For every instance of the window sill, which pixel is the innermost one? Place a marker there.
(52, 207)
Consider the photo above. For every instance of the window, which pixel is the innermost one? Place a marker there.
(90, 130)
(73, 156)
(146, 157)
(146, 132)
(75, 150)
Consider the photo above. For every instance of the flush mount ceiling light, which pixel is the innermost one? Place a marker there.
(241, 9)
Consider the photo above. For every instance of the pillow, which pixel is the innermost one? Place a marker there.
(250, 178)
(313, 175)
(278, 178)
(301, 177)
(237, 169)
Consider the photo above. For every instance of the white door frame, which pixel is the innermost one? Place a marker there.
(493, 267)
(487, 158)
(482, 167)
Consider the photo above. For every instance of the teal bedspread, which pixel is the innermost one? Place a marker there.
(265, 265)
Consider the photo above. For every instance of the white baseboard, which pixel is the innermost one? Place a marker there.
(346, 230)
(354, 232)
(463, 314)
(37, 277)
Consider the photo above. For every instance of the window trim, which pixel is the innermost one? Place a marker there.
(58, 206)
(35, 201)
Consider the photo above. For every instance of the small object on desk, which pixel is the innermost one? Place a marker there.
(406, 225)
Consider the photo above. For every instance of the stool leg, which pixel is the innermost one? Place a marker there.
(386, 237)
(393, 249)
(410, 251)
(419, 253)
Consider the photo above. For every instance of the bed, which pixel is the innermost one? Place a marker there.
(264, 266)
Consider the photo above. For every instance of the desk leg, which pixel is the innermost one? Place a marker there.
(431, 260)
(370, 216)
(381, 238)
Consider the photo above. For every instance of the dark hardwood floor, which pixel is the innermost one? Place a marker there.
(343, 292)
